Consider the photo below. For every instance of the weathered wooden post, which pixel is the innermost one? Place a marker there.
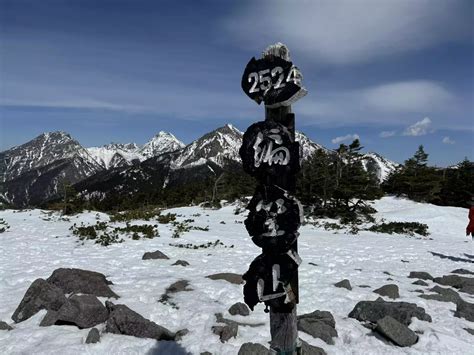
(270, 153)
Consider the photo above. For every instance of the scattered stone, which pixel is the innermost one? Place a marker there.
(395, 331)
(319, 324)
(5, 326)
(227, 276)
(465, 310)
(240, 309)
(93, 336)
(387, 273)
(205, 353)
(358, 269)
(388, 291)
(181, 262)
(122, 320)
(462, 283)
(181, 333)
(404, 261)
(344, 284)
(225, 332)
(49, 319)
(469, 330)
(178, 286)
(307, 349)
(372, 311)
(420, 283)
(40, 295)
(152, 255)
(418, 291)
(443, 295)
(84, 311)
(364, 286)
(253, 349)
(82, 281)
(310, 263)
(420, 275)
(462, 272)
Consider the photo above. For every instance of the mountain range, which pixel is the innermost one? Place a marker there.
(35, 172)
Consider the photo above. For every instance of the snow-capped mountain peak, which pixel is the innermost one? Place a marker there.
(381, 166)
(161, 143)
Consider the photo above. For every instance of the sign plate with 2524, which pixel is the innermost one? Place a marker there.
(275, 82)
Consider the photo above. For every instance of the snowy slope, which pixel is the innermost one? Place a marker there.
(34, 247)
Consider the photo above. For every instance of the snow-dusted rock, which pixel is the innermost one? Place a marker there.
(93, 336)
(227, 276)
(240, 309)
(462, 283)
(443, 295)
(181, 262)
(344, 284)
(307, 349)
(40, 295)
(465, 310)
(84, 311)
(225, 332)
(372, 311)
(420, 275)
(151, 255)
(390, 290)
(395, 331)
(319, 324)
(82, 281)
(5, 326)
(122, 320)
(253, 349)
(462, 272)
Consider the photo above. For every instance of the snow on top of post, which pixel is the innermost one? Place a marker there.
(278, 50)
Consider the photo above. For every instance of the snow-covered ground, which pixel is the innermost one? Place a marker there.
(33, 247)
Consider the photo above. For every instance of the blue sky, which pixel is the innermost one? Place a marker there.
(394, 73)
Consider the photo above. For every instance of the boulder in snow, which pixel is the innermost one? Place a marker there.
(395, 331)
(93, 336)
(465, 310)
(40, 295)
(344, 284)
(225, 332)
(82, 281)
(390, 290)
(420, 275)
(319, 324)
(152, 255)
(240, 309)
(372, 311)
(84, 311)
(443, 295)
(462, 283)
(253, 349)
(307, 349)
(122, 320)
(420, 283)
(462, 272)
(181, 262)
(5, 326)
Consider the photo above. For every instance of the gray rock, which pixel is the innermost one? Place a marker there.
(364, 286)
(462, 283)
(443, 295)
(40, 295)
(93, 336)
(49, 319)
(205, 353)
(181, 262)
(307, 349)
(84, 311)
(462, 272)
(82, 281)
(181, 333)
(390, 290)
(420, 283)
(240, 309)
(122, 320)
(319, 324)
(420, 275)
(154, 255)
(225, 332)
(387, 273)
(253, 349)
(5, 326)
(227, 276)
(469, 330)
(465, 310)
(395, 331)
(344, 284)
(372, 311)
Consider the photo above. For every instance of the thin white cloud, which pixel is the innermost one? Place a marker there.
(348, 31)
(345, 138)
(387, 134)
(447, 140)
(407, 96)
(419, 128)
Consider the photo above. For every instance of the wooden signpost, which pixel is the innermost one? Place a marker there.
(270, 153)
